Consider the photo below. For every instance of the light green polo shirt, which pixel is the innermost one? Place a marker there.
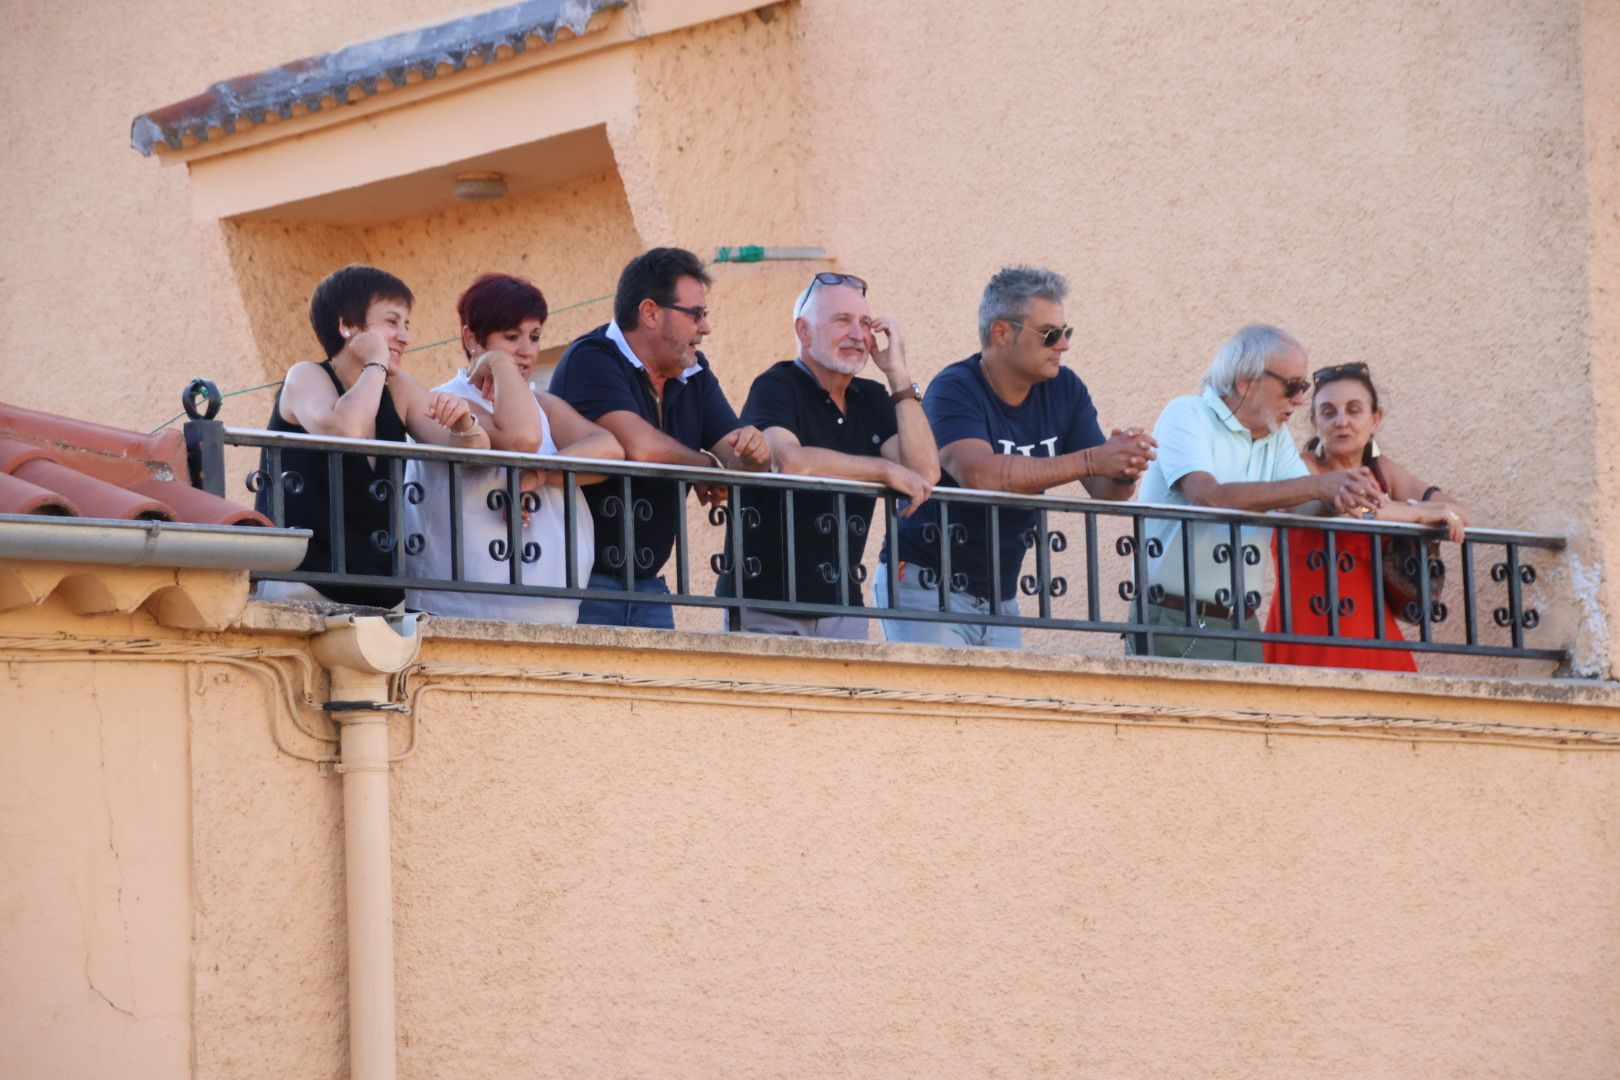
(1200, 434)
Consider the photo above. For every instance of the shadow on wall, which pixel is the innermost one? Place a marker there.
(571, 240)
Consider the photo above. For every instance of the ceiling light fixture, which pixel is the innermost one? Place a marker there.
(480, 186)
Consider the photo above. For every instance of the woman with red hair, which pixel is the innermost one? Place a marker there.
(501, 320)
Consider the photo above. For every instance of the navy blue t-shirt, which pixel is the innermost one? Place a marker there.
(595, 377)
(1056, 418)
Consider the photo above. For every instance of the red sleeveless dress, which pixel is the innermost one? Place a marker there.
(1354, 583)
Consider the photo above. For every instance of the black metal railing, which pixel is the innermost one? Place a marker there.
(1065, 585)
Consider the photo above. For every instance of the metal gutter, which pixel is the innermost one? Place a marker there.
(150, 543)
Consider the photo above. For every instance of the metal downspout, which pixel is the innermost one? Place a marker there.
(361, 653)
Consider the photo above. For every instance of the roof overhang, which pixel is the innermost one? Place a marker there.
(377, 123)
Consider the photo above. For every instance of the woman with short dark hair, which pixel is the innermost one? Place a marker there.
(501, 320)
(361, 316)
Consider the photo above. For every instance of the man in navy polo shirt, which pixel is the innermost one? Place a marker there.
(1009, 418)
(641, 377)
(823, 421)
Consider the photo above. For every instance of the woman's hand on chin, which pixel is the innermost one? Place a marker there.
(481, 372)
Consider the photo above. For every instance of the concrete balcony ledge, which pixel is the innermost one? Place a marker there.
(1029, 681)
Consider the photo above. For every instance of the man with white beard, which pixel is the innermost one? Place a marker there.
(1230, 447)
(821, 420)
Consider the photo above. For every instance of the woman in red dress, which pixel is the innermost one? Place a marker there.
(1345, 413)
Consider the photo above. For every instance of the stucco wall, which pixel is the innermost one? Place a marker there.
(95, 891)
(1070, 867)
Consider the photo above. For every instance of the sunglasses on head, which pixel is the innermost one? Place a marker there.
(1340, 371)
(827, 277)
(1049, 338)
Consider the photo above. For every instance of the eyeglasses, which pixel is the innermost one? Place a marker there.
(1049, 338)
(1357, 370)
(827, 277)
(1292, 387)
(696, 314)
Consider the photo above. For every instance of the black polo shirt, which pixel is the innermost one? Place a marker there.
(786, 395)
(596, 378)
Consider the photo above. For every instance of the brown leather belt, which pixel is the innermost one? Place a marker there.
(1204, 608)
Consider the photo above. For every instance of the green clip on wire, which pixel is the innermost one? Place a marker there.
(748, 253)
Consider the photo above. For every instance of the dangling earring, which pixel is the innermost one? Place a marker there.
(1321, 450)
(1372, 447)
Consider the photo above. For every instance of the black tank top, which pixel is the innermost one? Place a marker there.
(364, 516)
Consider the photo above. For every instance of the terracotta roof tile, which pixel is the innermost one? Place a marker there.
(335, 79)
(20, 497)
(57, 465)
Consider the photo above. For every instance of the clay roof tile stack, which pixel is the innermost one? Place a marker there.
(52, 465)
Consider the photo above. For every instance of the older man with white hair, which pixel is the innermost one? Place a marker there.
(1229, 447)
(821, 420)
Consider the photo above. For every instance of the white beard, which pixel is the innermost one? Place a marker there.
(829, 359)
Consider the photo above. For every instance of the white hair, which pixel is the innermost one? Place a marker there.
(800, 307)
(1244, 356)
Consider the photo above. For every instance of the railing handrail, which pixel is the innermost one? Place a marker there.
(259, 437)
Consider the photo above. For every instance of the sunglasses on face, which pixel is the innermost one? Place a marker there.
(696, 314)
(1340, 371)
(827, 277)
(1292, 387)
(1049, 338)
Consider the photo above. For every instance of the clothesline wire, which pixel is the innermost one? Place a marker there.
(412, 349)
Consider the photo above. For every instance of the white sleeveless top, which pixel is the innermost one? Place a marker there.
(481, 526)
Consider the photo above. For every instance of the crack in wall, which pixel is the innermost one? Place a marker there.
(117, 858)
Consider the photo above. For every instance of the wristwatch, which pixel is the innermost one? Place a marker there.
(908, 393)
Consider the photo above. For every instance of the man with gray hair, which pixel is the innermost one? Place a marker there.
(1230, 447)
(1008, 418)
(821, 420)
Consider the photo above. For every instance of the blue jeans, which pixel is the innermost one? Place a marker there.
(913, 595)
(627, 612)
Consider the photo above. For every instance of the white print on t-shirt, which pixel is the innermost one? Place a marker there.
(1007, 447)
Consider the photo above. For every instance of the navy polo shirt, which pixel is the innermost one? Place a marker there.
(596, 378)
(1057, 417)
(787, 395)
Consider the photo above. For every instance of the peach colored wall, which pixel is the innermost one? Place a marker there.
(745, 871)
(95, 891)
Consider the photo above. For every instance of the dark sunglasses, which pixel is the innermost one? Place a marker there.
(697, 314)
(1357, 370)
(1050, 337)
(827, 277)
(1291, 387)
